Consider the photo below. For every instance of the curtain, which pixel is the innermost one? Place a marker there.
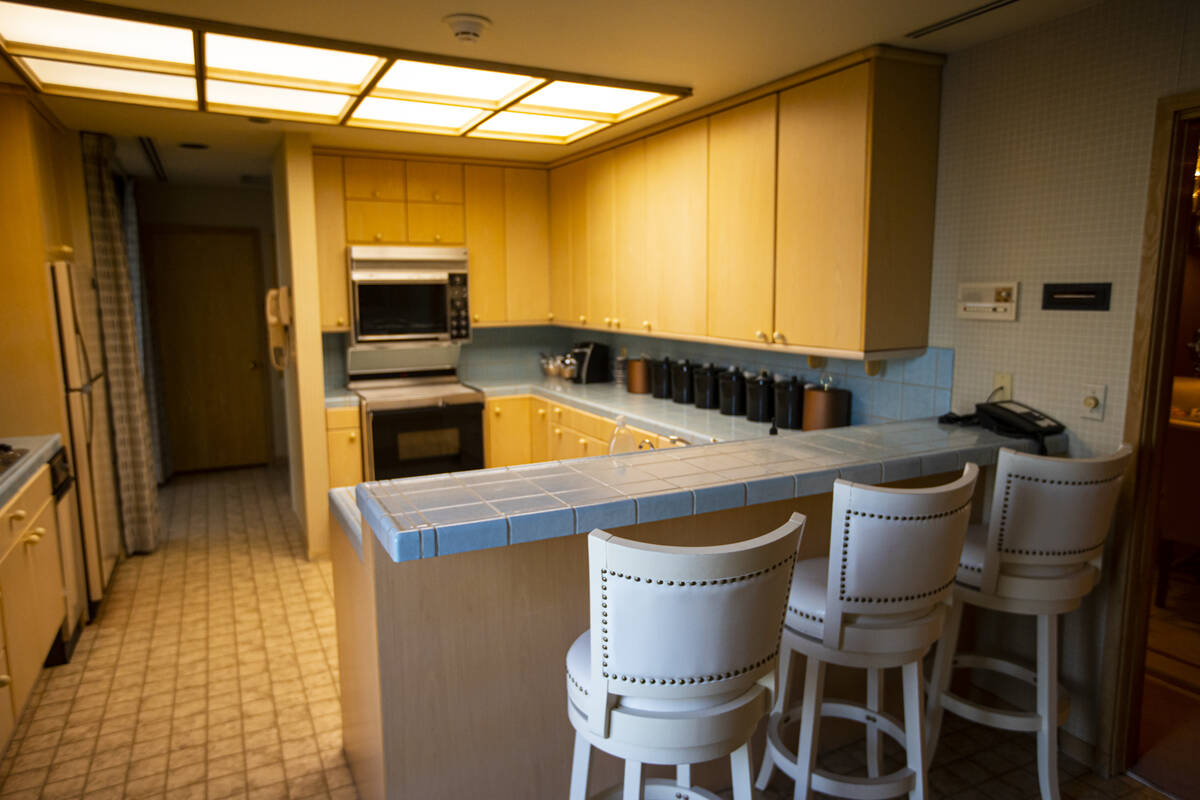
(136, 476)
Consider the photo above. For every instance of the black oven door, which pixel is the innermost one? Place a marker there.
(426, 440)
(400, 310)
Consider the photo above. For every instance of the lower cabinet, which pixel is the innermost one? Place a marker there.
(344, 442)
(506, 431)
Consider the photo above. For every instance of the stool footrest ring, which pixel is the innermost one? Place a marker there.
(1027, 721)
(658, 789)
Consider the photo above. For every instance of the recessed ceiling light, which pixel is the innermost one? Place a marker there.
(416, 80)
(34, 31)
(378, 112)
(261, 61)
(536, 128)
(237, 98)
(110, 83)
(607, 103)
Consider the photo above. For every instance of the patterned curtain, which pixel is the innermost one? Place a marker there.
(136, 478)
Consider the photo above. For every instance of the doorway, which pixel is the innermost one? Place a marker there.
(204, 287)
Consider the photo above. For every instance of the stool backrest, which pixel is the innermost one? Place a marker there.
(1050, 511)
(674, 623)
(894, 551)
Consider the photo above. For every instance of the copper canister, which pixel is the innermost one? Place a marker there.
(825, 408)
(637, 376)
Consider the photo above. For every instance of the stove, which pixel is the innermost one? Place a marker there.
(10, 455)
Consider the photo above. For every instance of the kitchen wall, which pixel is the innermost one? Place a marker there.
(1042, 176)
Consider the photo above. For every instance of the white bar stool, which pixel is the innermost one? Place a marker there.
(876, 602)
(1049, 519)
(669, 671)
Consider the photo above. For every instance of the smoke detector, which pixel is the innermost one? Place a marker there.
(467, 27)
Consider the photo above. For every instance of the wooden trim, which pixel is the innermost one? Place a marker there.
(347, 152)
(33, 98)
(1131, 552)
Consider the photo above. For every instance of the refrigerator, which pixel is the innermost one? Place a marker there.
(90, 447)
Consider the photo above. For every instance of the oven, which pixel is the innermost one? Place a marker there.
(409, 295)
(421, 428)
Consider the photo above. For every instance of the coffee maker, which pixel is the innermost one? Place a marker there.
(592, 359)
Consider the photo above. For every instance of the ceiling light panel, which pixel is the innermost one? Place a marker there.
(274, 101)
(260, 61)
(602, 103)
(49, 32)
(536, 128)
(405, 115)
(111, 83)
(416, 80)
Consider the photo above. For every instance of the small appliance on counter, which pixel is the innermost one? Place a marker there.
(592, 363)
(682, 389)
(732, 390)
(637, 375)
(825, 407)
(708, 386)
(760, 398)
(660, 378)
(789, 403)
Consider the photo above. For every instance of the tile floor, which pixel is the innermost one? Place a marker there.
(211, 672)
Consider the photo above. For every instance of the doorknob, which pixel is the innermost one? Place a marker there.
(760, 335)
(254, 364)
(777, 337)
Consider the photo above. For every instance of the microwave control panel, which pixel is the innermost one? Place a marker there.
(460, 314)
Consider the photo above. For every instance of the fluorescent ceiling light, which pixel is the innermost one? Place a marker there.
(536, 127)
(422, 117)
(88, 80)
(415, 80)
(607, 103)
(274, 101)
(34, 31)
(262, 61)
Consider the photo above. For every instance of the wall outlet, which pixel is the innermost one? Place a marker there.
(1001, 387)
(1093, 397)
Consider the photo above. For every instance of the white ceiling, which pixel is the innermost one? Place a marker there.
(716, 47)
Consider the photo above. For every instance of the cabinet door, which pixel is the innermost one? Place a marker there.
(375, 222)
(374, 179)
(636, 281)
(563, 443)
(507, 431)
(527, 244)
(8, 716)
(434, 182)
(577, 208)
(331, 243)
(485, 241)
(539, 430)
(741, 221)
(599, 199)
(676, 222)
(819, 245)
(345, 457)
(560, 245)
(588, 446)
(435, 223)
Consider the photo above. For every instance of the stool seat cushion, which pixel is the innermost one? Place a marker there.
(806, 599)
(970, 563)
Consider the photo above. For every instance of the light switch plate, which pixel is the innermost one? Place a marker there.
(1087, 392)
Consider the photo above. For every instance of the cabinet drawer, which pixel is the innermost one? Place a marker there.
(589, 424)
(341, 417)
(433, 182)
(375, 179)
(376, 221)
(17, 515)
(436, 223)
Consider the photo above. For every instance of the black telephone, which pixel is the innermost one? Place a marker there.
(1009, 418)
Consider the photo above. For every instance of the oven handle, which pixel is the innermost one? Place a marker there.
(373, 277)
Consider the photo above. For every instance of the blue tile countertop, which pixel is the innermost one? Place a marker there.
(340, 398)
(345, 512)
(439, 515)
(40, 449)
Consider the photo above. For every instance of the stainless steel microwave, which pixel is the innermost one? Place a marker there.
(409, 295)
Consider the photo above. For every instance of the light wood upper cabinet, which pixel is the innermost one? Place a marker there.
(601, 307)
(376, 222)
(741, 221)
(560, 245)
(434, 182)
(375, 179)
(527, 244)
(577, 212)
(676, 219)
(485, 214)
(436, 223)
(635, 283)
(331, 243)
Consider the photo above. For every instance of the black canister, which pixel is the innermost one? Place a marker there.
(682, 389)
(760, 398)
(660, 378)
(708, 386)
(789, 404)
(732, 389)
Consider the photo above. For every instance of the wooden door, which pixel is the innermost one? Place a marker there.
(676, 225)
(560, 245)
(205, 287)
(599, 197)
(485, 243)
(332, 269)
(506, 431)
(527, 244)
(821, 205)
(636, 284)
(741, 221)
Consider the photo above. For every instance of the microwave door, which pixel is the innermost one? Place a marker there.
(387, 311)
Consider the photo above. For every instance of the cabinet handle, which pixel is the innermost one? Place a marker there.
(475, 318)
(353, 436)
(375, 194)
(341, 321)
(496, 410)
(616, 322)
(5, 680)
(541, 412)
(760, 335)
(437, 237)
(582, 319)
(379, 237)
(557, 410)
(437, 196)
(608, 320)
(558, 431)
(777, 337)
(583, 443)
(550, 316)
(35, 536)
(17, 516)
(646, 324)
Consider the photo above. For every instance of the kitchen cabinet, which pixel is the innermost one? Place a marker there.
(539, 430)
(854, 215)
(635, 282)
(343, 436)
(376, 222)
(485, 213)
(506, 431)
(577, 214)
(328, 190)
(436, 223)
(392, 201)
(598, 201)
(375, 179)
(527, 244)
(741, 222)
(560, 245)
(435, 182)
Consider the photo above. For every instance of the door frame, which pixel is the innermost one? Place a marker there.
(1131, 553)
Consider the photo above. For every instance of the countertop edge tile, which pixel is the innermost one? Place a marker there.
(345, 510)
(40, 449)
